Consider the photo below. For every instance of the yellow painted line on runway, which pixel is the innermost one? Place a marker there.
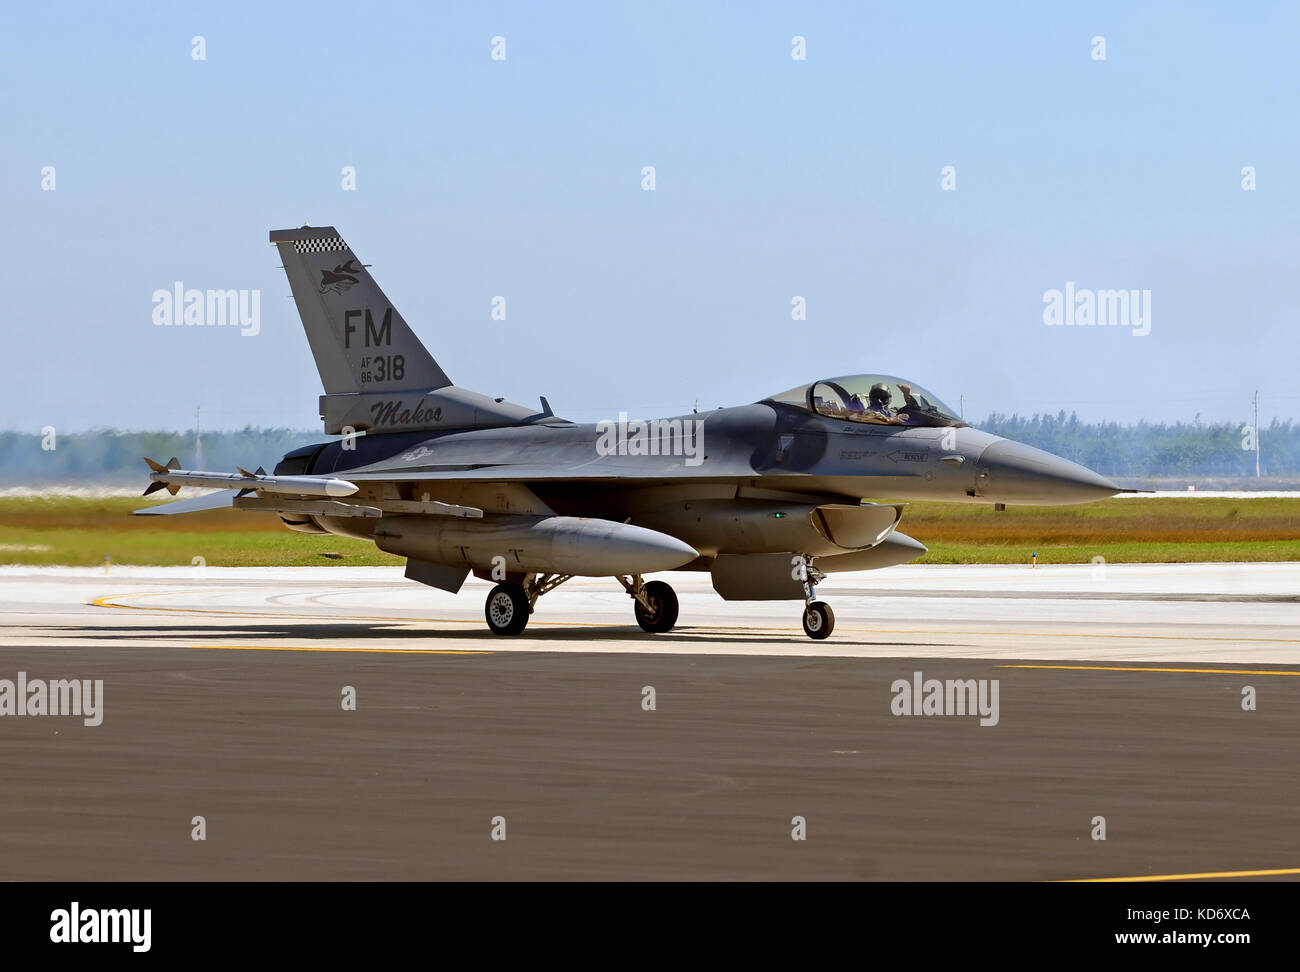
(108, 601)
(1068, 634)
(386, 651)
(1203, 876)
(1190, 671)
(322, 618)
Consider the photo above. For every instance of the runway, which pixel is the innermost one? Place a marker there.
(1120, 695)
(1220, 613)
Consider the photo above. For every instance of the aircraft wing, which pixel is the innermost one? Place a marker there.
(195, 504)
(495, 472)
(562, 467)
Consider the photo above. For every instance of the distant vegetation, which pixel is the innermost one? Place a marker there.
(1153, 450)
(111, 458)
(84, 531)
(1144, 451)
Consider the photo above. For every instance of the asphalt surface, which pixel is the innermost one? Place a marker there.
(225, 703)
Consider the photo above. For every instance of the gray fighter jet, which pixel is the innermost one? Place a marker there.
(767, 497)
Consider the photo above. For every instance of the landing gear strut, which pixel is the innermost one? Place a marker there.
(656, 604)
(509, 604)
(818, 618)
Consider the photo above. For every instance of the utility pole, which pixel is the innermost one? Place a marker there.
(198, 438)
(1257, 433)
(961, 407)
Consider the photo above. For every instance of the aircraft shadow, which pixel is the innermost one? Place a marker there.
(484, 640)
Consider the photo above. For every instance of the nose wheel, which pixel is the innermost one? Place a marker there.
(818, 620)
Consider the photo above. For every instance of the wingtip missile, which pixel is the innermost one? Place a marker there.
(171, 477)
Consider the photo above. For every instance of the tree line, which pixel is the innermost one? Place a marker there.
(109, 457)
(1157, 448)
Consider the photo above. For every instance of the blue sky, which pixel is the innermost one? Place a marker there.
(774, 178)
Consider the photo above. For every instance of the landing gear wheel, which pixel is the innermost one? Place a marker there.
(662, 614)
(506, 609)
(818, 620)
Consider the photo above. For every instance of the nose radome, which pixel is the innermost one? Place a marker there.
(1011, 472)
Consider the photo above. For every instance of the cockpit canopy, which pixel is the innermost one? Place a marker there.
(870, 400)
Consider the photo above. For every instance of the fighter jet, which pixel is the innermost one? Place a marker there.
(767, 497)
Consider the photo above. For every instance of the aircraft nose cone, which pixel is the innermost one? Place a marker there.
(1011, 472)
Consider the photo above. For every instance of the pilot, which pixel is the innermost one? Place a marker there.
(878, 404)
(879, 408)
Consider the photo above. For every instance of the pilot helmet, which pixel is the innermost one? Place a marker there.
(880, 394)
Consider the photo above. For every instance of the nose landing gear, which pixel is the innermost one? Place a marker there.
(818, 618)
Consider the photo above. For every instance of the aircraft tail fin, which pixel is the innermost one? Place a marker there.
(360, 341)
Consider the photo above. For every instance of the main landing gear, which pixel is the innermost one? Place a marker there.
(818, 618)
(509, 604)
(507, 609)
(656, 604)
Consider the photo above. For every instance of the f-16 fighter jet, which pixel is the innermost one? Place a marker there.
(766, 497)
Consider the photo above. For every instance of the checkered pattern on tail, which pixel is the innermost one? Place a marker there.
(325, 244)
